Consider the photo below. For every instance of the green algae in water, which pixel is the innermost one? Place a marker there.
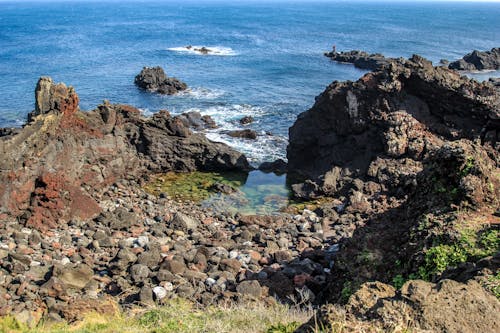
(255, 193)
(195, 186)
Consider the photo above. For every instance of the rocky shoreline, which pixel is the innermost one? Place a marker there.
(400, 161)
(474, 61)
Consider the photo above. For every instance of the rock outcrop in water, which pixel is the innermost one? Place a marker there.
(478, 61)
(49, 169)
(361, 59)
(154, 79)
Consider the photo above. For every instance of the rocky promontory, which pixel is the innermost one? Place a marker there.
(388, 122)
(478, 61)
(154, 79)
(50, 168)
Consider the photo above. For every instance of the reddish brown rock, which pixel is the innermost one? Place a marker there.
(62, 157)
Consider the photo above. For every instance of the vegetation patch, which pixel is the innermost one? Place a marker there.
(180, 316)
(470, 246)
(492, 283)
(194, 186)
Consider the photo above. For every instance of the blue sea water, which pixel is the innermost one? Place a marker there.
(271, 64)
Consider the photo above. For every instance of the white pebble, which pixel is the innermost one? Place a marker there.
(142, 241)
(65, 261)
(210, 282)
(160, 292)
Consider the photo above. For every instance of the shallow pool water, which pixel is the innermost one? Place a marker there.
(245, 193)
(261, 194)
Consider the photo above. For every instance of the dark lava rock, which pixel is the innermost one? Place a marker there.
(361, 59)
(246, 120)
(54, 98)
(183, 222)
(154, 79)
(139, 273)
(5, 132)
(250, 288)
(245, 134)
(386, 123)
(478, 60)
(279, 167)
(174, 266)
(195, 120)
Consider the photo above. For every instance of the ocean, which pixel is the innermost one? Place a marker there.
(269, 61)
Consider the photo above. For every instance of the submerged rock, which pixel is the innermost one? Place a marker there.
(154, 79)
(244, 134)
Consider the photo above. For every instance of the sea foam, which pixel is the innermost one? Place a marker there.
(212, 50)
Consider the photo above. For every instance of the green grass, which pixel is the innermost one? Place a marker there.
(471, 246)
(178, 316)
(493, 284)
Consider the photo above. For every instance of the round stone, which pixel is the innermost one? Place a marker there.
(159, 292)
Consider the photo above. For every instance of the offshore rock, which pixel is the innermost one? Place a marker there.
(361, 59)
(52, 167)
(478, 60)
(154, 79)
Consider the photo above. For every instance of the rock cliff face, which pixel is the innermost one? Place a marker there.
(50, 168)
(478, 60)
(387, 123)
(154, 79)
(409, 158)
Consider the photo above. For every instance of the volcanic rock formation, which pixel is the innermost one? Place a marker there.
(49, 169)
(387, 122)
(361, 59)
(478, 60)
(154, 79)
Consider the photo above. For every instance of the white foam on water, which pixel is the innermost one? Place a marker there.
(264, 148)
(202, 93)
(213, 50)
(227, 116)
(146, 112)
